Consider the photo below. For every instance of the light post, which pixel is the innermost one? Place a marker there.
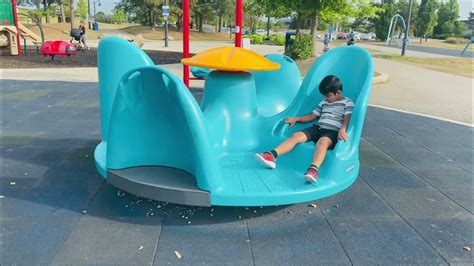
(405, 38)
(166, 12)
(89, 14)
(96, 1)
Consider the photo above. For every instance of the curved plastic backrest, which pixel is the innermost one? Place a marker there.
(200, 72)
(155, 120)
(116, 57)
(353, 65)
(277, 89)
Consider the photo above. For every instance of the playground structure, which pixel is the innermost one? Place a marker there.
(157, 142)
(61, 48)
(391, 30)
(12, 30)
(469, 42)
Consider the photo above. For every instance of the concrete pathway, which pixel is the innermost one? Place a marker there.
(424, 91)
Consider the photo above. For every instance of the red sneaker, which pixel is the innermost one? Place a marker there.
(266, 159)
(311, 175)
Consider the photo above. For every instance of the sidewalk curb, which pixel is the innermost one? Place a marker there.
(381, 78)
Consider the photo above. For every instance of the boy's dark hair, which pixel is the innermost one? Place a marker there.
(329, 84)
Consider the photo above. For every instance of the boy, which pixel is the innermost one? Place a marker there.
(326, 43)
(334, 112)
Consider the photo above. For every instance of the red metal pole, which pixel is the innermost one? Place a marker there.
(186, 40)
(15, 20)
(238, 23)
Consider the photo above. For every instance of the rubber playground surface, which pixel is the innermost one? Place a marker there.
(412, 202)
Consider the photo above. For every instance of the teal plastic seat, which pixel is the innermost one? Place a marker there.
(116, 58)
(200, 72)
(161, 144)
(277, 89)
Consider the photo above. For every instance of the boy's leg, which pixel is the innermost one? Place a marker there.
(289, 144)
(268, 158)
(319, 154)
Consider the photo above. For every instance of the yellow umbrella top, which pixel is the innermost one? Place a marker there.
(228, 58)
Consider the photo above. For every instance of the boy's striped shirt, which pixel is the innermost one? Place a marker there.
(331, 115)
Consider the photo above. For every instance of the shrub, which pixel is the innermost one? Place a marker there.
(277, 39)
(455, 40)
(255, 39)
(301, 49)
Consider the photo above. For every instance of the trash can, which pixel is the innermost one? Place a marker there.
(288, 40)
(95, 26)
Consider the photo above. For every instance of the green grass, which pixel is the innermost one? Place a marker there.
(30, 95)
(17, 138)
(457, 66)
(78, 103)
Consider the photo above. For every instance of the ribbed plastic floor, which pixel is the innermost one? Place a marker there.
(248, 183)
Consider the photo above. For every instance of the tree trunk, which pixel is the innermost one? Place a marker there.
(220, 24)
(298, 27)
(152, 19)
(71, 13)
(314, 28)
(61, 10)
(201, 18)
(268, 27)
(45, 8)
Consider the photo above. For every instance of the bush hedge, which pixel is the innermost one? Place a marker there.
(277, 39)
(301, 49)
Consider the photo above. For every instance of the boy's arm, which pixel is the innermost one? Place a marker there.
(307, 118)
(303, 119)
(342, 131)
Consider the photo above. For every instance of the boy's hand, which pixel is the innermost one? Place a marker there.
(291, 121)
(342, 134)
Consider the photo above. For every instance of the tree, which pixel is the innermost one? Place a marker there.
(102, 17)
(81, 9)
(336, 11)
(202, 9)
(447, 14)
(388, 9)
(253, 9)
(403, 6)
(222, 8)
(427, 18)
(118, 15)
(71, 13)
(273, 8)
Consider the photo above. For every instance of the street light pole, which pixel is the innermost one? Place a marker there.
(166, 26)
(405, 38)
(89, 14)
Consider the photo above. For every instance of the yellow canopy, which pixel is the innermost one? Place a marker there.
(228, 58)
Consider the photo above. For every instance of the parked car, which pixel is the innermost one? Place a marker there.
(261, 32)
(373, 36)
(342, 36)
(365, 37)
(356, 35)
